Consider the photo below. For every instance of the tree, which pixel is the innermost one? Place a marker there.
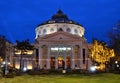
(2, 46)
(114, 40)
(0, 66)
(100, 53)
(23, 47)
(2, 51)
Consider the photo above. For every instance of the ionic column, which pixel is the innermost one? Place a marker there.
(56, 63)
(65, 62)
(72, 58)
(81, 56)
(48, 57)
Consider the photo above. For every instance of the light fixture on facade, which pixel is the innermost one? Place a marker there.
(24, 69)
(92, 68)
(56, 48)
(116, 62)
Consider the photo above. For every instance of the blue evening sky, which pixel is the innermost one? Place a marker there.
(19, 18)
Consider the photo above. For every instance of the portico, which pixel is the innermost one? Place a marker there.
(65, 51)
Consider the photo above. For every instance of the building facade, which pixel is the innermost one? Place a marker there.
(60, 44)
(6, 51)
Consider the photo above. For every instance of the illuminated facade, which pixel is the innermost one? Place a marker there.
(60, 44)
(27, 60)
(6, 51)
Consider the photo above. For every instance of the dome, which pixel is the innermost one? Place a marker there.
(59, 17)
(59, 22)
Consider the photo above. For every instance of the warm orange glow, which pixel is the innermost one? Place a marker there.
(101, 53)
(17, 66)
(60, 58)
(29, 67)
(1, 59)
(27, 52)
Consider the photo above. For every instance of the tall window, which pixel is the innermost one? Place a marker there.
(39, 32)
(37, 55)
(44, 31)
(76, 50)
(80, 32)
(84, 56)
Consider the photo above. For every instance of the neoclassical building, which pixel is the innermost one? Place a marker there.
(60, 44)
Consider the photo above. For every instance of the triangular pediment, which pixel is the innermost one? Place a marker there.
(60, 36)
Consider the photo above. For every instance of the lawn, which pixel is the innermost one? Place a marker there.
(98, 78)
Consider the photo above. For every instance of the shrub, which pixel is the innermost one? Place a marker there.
(1, 72)
(52, 71)
(34, 72)
(10, 75)
(0, 75)
(18, 73)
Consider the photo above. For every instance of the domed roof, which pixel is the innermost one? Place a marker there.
(59, 17)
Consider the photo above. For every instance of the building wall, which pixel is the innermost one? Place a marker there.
(6, 51)
(78, 58)
(52, 28)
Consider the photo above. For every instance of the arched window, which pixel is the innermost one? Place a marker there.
(68, 30)
(51, 30)
(76, 49)
(37, 35)
(39, 32)
(75, 31)
(80, 32)
(60, 29)
(44, 31)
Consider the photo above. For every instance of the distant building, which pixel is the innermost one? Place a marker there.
(27, 59)
(6, 51)
(59, 44)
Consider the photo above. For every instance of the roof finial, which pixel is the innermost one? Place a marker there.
(59, 11)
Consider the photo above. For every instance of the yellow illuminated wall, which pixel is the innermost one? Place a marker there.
(29, 52)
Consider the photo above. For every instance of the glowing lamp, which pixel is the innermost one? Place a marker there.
(92, 68)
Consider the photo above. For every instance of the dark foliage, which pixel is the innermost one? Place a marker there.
(23, 46)
(114, 40)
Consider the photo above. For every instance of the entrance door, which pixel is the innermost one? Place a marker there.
(61, 62)
(68, 62)
(52, 62)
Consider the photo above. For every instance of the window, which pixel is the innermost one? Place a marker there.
(76, 31)
(60, 29)
(83, 56)
(80, 32)
(68, 30)
(39, 32)
(44, 31)
(38, 36)
(51, 30)
(37, 55)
